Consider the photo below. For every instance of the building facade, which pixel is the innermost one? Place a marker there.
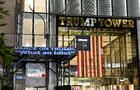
(105, 34)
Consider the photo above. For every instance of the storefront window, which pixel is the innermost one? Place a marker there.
(35, 79)
(106, 57)
(39, 6)
(34, 23)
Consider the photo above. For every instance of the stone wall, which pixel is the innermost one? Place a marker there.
(10, 28)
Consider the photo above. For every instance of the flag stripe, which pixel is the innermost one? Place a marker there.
(90, 63)
(86, 63)
(99, 45)
(98, 56)
(95, 42)
(93, 50)
(95, 45)
(78, 63)
(102, 57)
(81, 63)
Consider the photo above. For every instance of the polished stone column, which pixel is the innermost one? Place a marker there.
(73, 7)
(134, 11)
(119, 8)
(104, 7)
(55, 7)
(134, 8)
(89, 7)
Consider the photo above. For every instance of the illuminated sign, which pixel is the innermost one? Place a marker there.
(45, 51)
(97, 22)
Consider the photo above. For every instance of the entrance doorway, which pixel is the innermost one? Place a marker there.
(32, 76)
(107, 57)
(35, 88)
(110, 63)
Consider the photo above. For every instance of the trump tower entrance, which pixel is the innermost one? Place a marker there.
(91, 53)
(107, 52)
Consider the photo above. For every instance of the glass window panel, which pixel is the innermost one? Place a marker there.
(27, 23)
(26, 40)
(72, 41)
(60, 43)
(106, 55)
(114, 47)
(119, 54)
(27, 4)
(105, 40)
(40, 23)
(73, 61)
(41, 88)
(40, 6)
(129, 47)
(34, 75)
(72, 37)
(66, 39)
(30, 88)
(40, 41)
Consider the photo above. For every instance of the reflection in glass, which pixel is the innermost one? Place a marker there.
(27, 23)
(40, 6)
(27, 40)
(37, 5)
(119, 59)
(34, 75)
(36, 35)
(27, 4)
(27, 30)
(40, 41)
(40, 23)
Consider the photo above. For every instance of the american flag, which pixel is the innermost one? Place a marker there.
(90, 56)
(76, 87)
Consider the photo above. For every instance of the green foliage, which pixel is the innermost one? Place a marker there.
(2, 81)
(2, 2)
(6, 53)
(3, 13)
(3, 24)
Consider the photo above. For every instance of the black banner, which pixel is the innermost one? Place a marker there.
(95, 22)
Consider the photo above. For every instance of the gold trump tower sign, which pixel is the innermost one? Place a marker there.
(97, 22)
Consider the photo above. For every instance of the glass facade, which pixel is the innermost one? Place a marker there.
(34, 23)
(111, 62)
